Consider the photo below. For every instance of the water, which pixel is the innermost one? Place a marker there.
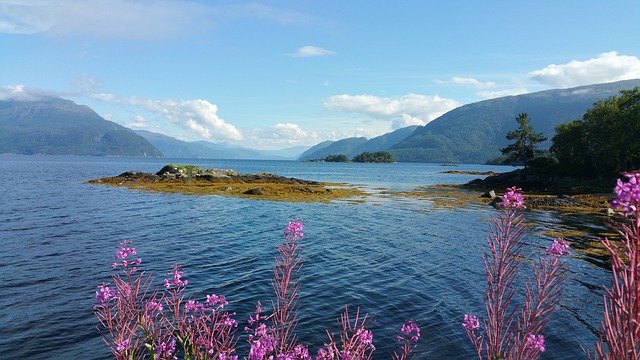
(396, 259)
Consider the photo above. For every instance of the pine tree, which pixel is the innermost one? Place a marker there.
(523, 148)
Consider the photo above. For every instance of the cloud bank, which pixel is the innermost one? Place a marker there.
(110, 19)
(198, 116)
(410, 109)
(311, 51)
(607, 67)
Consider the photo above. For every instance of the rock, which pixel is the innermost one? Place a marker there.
(254, 191)
(490, 194)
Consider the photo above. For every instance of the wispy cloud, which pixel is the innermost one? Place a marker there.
(131, 19)
(607, 67)
(311, 51)
(410, 109)
(473, 82)
(111, 19)
(199, 117)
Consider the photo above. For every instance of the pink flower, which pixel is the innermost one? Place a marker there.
(154, 305)
(365, 336)
(470, 323)
(193, 306)
(214, 300)
(294, 229)
(104, 294)
(123, 345)
(410, 330)
(559, 247)
(176, 280)
(123, 253)
(512, 198)
(627, 194)
(535, 342)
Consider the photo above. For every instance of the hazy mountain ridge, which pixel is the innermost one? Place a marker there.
(354, 146)
(474, 133)
(174, 148)
(56, 126)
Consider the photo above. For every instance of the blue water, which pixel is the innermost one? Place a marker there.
(395, 258)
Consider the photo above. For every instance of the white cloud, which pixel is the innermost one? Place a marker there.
(473, 82)
(607, 67)
(282, 135)
(196, 116)
(139, 122)
(410, 108)
(406, 120)
(86, 83)
(311, 51)
(19, 92)
(492, 94)
(141, 20)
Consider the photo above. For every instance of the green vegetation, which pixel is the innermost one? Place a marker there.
(606, 141)
(375, 157)
(523, 148)
(474, 133)
(336, 158)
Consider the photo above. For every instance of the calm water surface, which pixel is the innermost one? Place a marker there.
(395, 258)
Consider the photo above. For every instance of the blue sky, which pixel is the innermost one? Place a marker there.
(276, 74)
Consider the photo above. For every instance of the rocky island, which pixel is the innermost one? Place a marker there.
(193, 180)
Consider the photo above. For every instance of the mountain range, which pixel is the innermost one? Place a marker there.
(174, 148)
(56, 126)
(474, 133)
(357, 145)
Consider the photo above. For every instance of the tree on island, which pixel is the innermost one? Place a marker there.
(606, 141)
(375, 157)
(525, 140)
(336, 158)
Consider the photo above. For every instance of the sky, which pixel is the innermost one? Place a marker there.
(279, 74)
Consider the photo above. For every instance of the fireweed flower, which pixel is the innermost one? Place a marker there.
(512, 198)
(176, 280)
(104, 294)
(154, 305)
(218, 301)
(225, 356)
(193, 306)
(559, 247)
(535, 342)
(165, 349)
(410, 330)
(470, 323)
(366, 336)
(294, 229)
(123, 345)
(627, 194)
(124, 252)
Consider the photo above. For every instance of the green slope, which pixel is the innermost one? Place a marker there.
(55, 126)
(474, 133)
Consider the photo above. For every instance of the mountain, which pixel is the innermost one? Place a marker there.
(226, 151)
(174, 148)
(474, 133)
(56, 126)
(354, 146)
(344, 146)
(291, 153)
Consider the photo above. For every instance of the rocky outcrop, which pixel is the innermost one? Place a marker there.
(189, 179)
